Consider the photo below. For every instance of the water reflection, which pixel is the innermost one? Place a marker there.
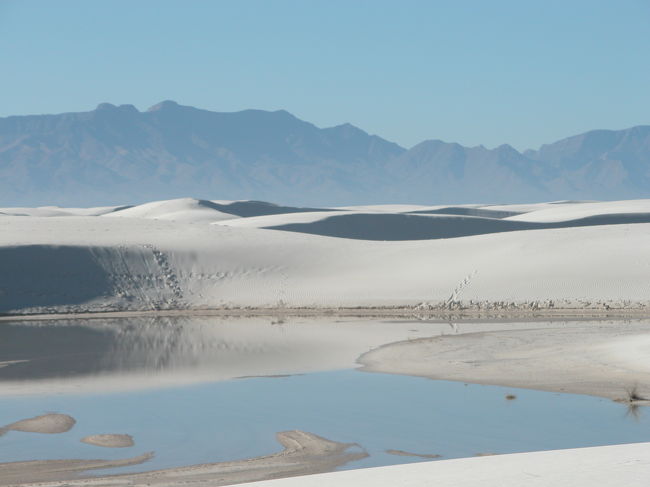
(74, 355)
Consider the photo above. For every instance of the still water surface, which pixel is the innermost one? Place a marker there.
(233, 419)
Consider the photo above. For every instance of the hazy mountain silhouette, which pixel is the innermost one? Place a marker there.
(449, 172)
(614, 163)
(118, 154)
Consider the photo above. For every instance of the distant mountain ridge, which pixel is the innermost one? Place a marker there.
(117, 153)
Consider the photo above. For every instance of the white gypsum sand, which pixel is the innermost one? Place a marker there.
(100, 263)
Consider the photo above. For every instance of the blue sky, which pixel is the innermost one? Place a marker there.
(523, 72)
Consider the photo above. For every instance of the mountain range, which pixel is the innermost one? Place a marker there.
(117, 153)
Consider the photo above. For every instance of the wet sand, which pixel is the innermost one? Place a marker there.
(47, 424)
(402, 453)
(36, 471)
(304, 453)
(109, 441)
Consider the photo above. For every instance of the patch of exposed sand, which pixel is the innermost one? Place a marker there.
(51, 423)
(109, 441)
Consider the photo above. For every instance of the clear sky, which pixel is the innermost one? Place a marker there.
(523, 72)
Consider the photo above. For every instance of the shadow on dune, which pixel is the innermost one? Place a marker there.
(396, 227)
(49, 275)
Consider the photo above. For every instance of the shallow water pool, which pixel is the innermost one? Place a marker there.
(187, 423)
(238, 419)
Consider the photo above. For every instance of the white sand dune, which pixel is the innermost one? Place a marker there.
(530, 207)
(566, 212)
(200, 211)
(183, 209)
(280, 219)
(86, 263)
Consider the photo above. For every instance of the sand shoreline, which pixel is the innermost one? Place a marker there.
(302, 454)
(465, 314)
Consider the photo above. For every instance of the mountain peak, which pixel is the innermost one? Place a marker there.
(128, 108)
(164, 105)
(436, 143)
(105, 106)
(109, 107)
(506, 149)
(347, 128)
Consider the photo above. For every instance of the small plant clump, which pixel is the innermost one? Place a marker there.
(633, 394)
